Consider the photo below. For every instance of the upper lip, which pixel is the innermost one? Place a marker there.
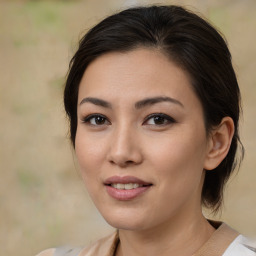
(125, 180)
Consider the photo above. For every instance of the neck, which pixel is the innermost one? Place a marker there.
(182, 236)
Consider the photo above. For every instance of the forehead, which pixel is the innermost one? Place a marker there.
(133, 75)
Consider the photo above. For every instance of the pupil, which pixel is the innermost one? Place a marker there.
(158, 120)
(99, 120)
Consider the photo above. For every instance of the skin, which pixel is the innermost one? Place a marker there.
(171, 155)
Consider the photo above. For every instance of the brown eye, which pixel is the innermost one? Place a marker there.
(96, 120)
(159, 119)
(99, 120)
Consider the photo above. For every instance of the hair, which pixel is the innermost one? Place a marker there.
(195, 46)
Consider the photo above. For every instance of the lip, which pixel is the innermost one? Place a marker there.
(123, 194)
(124, 180)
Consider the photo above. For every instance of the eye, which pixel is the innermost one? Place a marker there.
(159, 119)
(96, 119)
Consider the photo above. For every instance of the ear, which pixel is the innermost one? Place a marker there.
(219, 143)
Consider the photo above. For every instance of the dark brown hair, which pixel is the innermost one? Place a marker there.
(193, 44)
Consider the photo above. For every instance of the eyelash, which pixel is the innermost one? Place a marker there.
(167, 119)
(88, 118)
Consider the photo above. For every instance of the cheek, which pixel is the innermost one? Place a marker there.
(180, 158)
(89, 146)
(89, 163)
(90, 154)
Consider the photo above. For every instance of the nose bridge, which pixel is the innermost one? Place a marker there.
(124, 147)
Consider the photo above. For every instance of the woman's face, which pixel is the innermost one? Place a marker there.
(141, 142)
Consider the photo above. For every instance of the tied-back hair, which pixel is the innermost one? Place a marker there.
(191, 43)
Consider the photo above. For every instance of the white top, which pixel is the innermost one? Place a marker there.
(241, 246)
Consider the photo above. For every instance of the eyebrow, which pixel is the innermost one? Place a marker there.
(154, 100)
(96, 101)
(138, 105)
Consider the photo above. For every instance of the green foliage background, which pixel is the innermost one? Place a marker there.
(43, 202)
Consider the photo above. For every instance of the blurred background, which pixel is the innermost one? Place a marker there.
(43, 202)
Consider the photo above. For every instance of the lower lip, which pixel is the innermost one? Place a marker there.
(126, 194)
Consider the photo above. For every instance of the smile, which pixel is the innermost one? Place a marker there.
(126, 186)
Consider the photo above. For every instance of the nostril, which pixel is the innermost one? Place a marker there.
(124, 158)
(121, 162)
(129, 162)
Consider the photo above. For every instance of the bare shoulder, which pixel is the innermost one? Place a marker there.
(48, 252)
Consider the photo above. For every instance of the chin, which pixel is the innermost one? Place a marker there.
(124, 220)
(126, 224)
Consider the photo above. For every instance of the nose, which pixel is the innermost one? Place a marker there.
(124, 148)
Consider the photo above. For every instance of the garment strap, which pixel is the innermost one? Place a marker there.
(67, 251)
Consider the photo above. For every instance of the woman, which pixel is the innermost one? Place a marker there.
(154, 104)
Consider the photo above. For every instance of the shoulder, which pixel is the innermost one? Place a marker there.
(103, 247)
(48, 252)
(241, 246)
(61, 251)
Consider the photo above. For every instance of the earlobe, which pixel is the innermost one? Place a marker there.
(219, 143)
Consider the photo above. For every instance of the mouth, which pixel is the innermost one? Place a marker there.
(126, 188)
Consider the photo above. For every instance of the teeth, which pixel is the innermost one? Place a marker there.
(136, 185)
(120, 186)
(126, 186)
